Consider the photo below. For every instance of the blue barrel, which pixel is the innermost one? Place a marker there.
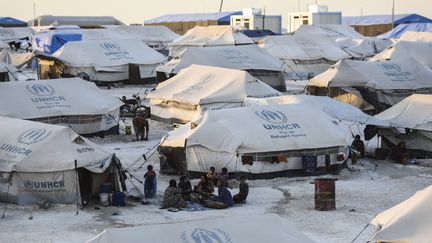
(106, 187)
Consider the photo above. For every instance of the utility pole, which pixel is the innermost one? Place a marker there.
(393, 14)
(34, 12)
(220, 7)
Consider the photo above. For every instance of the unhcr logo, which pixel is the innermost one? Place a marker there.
(390, 67)
(112, 47)
(40, 89)
(33, 135)
(7, 33)
(275, 117)
(230, 52)
(200, 235)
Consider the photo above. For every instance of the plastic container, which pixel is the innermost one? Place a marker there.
(106, 187)
(104, 199)
(325, 195)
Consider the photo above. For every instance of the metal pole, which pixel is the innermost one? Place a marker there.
(34, 12)
(220, 7)
(393, 14)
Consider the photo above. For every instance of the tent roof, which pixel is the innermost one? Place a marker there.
(407, 74)
(107, 54)
(242, 57)
(417, 36)
(6, 21)
(203, 84)
(46, 20)
(49, 42)
(265, 129)
(250, 228)
(192, 17)
(257, 33)
(363, 47)
(158, 33)
(333, 108)
(402, 28)
(28, 146)
(13, 34)
(54, 97)
(421, 51)
(331, 30)
(294, 47)
(385, 19)
(215, 35)
(413, 112)
(409, 221)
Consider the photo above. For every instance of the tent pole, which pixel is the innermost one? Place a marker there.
(77, 187)
(7, 196)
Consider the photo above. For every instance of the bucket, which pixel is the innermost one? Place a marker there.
(106, 187)
(128, 130)
(325, 194)
(103, 199)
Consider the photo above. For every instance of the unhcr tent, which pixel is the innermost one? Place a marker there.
(408, 221)
(50, 42)
(421, 51)
(16, 59)
(47, 163)
(70, 102)
(7, 72)
(410, 121)
(250, 229)
(11, 22)
(256, 61)
(263, 141)
(416, 36)
(8, 35)
(363, 48)
(197, 89)
(331, 30)
(399, 30)
(97, 34)
(209, 36)
(381, 84)
(305, 56)
(105, 61)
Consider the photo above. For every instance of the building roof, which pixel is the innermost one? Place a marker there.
(385, 19)
(8, 21)
(402, 28)
(192, 17)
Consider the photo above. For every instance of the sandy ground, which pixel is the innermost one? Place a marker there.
(358, 199)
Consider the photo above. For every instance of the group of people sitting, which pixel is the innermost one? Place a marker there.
(177, 195)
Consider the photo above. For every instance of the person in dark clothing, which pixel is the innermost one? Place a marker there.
(399, 153)
(149, 182)
(223, 177)
(243, 191)
(204, 189)
(357, 145)
(211, 175)
(173, 196)
(186, 187)
(224, 194)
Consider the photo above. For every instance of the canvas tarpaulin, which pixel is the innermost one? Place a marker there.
(17, 59)
(13, 34)
(401, 29)
(421, 51)
(417, 36)
(49, 42)
(242, 229)
(330, 30)
(199, 88)
(408, 221)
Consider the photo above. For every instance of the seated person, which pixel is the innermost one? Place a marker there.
(211, 175)
(173, 196)
(204, 189)
(186, 187)
(243, 191)
(225, 195)
(223, 176)
(399, 153)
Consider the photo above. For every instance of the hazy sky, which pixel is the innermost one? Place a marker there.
(136, 11)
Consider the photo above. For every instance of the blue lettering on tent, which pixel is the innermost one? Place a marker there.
(15, 149)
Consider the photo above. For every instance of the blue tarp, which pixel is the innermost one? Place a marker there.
(257, 33)
(8, 21)
(193, 17)
(52, 41)
(402, 28)
(385, 19)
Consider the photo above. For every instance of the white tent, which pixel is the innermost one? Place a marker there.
(409, 221)
(416, 36)
(421, 51)
(242, 229)
(96, 34)
(216, 35)
(250, 58)
(70, 102)
(41, 162)
(304, 55)
(7, 72)
(17, 59)
(197, 89)
(330, 30)
(415, 114)
(107, 60)
(361, 48)
(250, 139)
(157, 37)
(13, 34)
(382, 84)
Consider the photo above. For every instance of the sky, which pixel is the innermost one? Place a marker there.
(136, 11)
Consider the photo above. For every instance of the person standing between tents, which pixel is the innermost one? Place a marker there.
(173, 196)
(149, 183)
(399, 153)
(223, 177)
(240, 198)
(357, 145)
(186, 187)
